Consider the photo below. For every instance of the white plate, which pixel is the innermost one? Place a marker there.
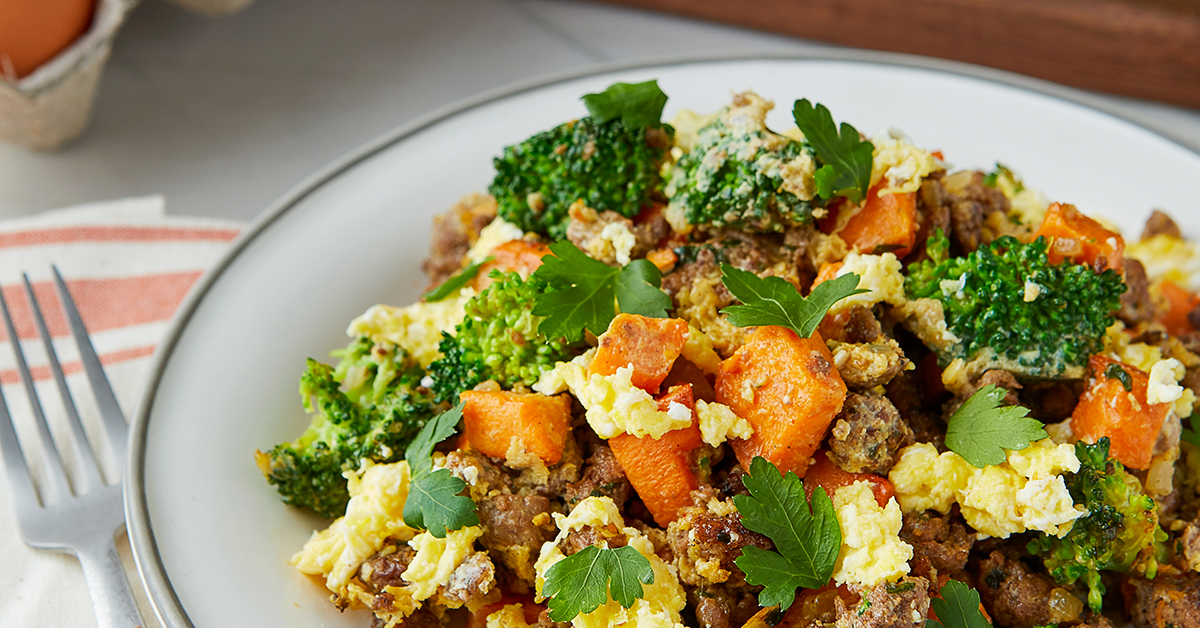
(211, 538)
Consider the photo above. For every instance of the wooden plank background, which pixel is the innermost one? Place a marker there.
(1143, 48)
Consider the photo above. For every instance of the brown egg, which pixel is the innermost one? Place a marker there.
(33, 31)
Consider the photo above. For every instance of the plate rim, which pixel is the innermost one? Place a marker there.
(152, 571)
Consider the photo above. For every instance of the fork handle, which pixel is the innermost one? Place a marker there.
(108, 586)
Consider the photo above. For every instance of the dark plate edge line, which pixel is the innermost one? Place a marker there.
(149, 563)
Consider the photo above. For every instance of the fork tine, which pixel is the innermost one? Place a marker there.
(84, 457)
(110, 410)
(55, 476)
(24, 497)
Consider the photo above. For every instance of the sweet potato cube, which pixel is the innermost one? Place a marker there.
(660, 469)
(494, 419)
(885, 223)
(827, 475)
(787, 388)
(1106, 408)
(1071, 235)
(520, 256)
(649, 345)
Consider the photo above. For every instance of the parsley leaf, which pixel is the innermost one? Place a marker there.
(434, 502)
(455, 283)
(958, 607)
(1192, 434)
(583, 581)
(847, 159)
(636, 104)
(980, 430)
(586, 291)
(806, 541)
(774, 301)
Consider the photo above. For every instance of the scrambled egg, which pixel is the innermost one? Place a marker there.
(614, 405)
(698, 349)
(416, 328)
(880, 274)
(718, 423)
(1025, 204)
(493, 235)
(903, 164)
(1165, 373)
(871, 547)
(511, 616)
(1168, 258)
(375, 512)
(662, 600)
(699, 305)
(687, 125)
(1026, 492)
(435, 561)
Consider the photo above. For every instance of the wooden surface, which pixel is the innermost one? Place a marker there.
(1143, 48)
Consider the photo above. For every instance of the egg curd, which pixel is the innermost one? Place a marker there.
(1026, 492)
(872, 551)
(878, 274)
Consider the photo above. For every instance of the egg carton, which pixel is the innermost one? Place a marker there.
(53, 104)
(214, 7)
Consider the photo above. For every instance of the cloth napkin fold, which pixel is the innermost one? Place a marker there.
(128, 266)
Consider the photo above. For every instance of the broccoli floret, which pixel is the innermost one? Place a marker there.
(735, 177)
(1041, 319)
(608, 166)
(497, 340)
(367, 407)
(1119, 533)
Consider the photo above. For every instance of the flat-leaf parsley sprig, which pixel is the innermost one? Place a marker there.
(846, 159)
(981, 429)
(636, 104)
(774, 301)
(807, 541)
(434, 501)
(583, 581)
(585, 292)
(957, 607)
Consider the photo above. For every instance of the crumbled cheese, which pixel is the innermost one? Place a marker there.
(661, 601)
(374, 513)
(1164, 381)
(871, 547)
(698, 349)
(1032, 291)
(879, 274)
(493, 235)
(903, 164)
(1026, 492)
(718, 423)
(1170, 258)
(416, 328)
(614, 405)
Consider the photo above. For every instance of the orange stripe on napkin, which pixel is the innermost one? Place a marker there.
(103, 303)
(117, 233)
(42, 373)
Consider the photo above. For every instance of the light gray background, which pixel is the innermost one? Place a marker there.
(223, 115)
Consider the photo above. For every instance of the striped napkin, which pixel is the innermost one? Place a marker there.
(129, 266)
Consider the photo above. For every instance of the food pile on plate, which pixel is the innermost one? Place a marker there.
(711, 374)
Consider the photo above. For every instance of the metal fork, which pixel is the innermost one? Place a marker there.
(87, 520)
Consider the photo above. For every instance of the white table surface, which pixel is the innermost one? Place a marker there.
(224, 115)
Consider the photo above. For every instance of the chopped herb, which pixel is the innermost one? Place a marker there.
(774, 301)
(806, 540)
(980, 430)
(581, 582)
(455, 283)
(1114, 371)
(903, 587)
(847, 159)
(434, 501)
(586, 292)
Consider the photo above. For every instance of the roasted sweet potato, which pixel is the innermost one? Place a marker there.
(1073, 236)
(789, 391)
(493, 419)
(886, 223)
(827, 475)
(660, 469)
(1114, 404)
(521, 256)
(649, 345)
(1180, 302)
